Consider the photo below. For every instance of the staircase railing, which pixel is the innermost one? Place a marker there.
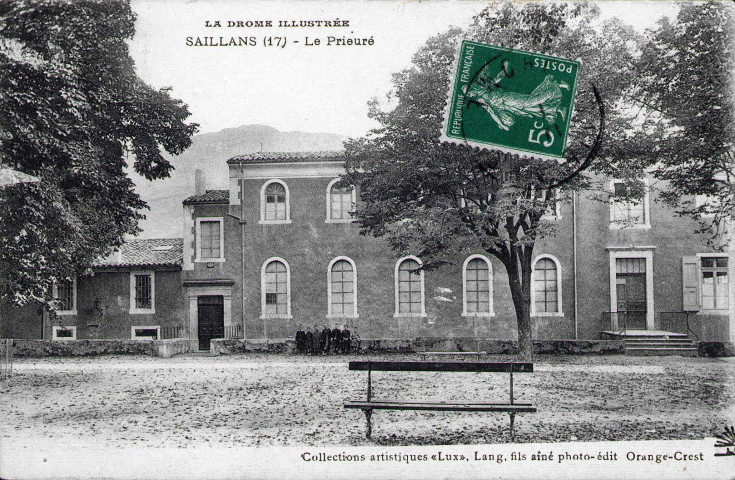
(676, 322)
(618, 322)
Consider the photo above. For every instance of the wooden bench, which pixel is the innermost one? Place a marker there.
(512, 407)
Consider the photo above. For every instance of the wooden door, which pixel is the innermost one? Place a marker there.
(632, 305)
(211, 319)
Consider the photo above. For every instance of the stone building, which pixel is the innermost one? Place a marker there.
(280, 248)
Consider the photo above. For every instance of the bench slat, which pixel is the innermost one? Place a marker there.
(465, 407)
(389, 366)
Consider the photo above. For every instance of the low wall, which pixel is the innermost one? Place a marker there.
(74, 348)
(716, 349)
(461, 344)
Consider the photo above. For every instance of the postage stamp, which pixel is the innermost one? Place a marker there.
(510, 100)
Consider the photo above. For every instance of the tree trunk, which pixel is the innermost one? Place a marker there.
(519, 280)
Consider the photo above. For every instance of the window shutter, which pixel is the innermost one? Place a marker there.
(690, 284)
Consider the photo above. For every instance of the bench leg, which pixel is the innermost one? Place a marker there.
(512, 422)
(368, 415)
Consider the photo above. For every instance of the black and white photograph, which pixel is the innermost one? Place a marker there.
(370, 240)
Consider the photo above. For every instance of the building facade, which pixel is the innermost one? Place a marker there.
(135, 293)
(280, 248)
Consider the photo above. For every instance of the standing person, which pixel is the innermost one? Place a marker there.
(355, 341)
(324, 344)
(308, 341)
(336, 339)
(316, 341)
(345, 339)
(300, 339)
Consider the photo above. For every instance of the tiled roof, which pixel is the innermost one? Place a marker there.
(146, 253)
(210, 196)
(287, 157)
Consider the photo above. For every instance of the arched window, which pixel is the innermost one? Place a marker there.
(409, 288)
(478, 287)
(275, 289)
(546, 286)
(342, 288)
(275, 203)
(340, 202)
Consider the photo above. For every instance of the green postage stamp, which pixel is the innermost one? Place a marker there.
(510, 100)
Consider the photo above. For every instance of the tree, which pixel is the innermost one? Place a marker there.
(686, 92)
(72, 110)
(436, 200)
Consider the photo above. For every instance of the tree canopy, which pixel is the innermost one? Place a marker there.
(73, 112)
(436, 199)
(686, 94)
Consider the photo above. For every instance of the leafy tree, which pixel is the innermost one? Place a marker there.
(72, 111)
(686, 92)
(436, 199)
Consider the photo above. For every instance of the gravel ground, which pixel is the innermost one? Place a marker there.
(251, 400)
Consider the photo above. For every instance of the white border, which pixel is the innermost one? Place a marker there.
(55, 294)
(149, 327)
(56, 328)
(560, 308)
(491, 312)
(133, 310)
(454, 74)
(396, 313)
(198, 239)
(263, 221)
(354, 288)
(288, 289)
(615, 225)
(633, 252)
(329, 204)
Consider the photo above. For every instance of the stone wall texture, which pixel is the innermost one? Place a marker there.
(75, 348)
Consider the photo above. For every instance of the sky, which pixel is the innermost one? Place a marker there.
(317, 88)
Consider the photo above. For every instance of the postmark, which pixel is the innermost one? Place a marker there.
(510, 100)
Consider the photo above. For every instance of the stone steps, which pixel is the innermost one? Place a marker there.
(668, 344)
(651, 351)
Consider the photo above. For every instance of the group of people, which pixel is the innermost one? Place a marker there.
(323, 341)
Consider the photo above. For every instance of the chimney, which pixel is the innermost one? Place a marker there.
(198, 182)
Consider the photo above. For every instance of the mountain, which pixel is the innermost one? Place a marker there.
(210, 152)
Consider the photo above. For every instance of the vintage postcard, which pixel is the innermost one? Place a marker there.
(370, 239)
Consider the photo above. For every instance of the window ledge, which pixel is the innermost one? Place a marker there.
(548, 314)
(333, 315)
(138, 311)
(629, 226)
(489, 314)
(409, 315)
(209, 260)
(275, 222)
(331, 220)
(269, 317)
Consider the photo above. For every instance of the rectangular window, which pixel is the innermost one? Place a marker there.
(145, 333)
(209, 237)
(626, 209)
(63, 333)
(142, 292)
(715, 283)
(552, 210)
(65, 294)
